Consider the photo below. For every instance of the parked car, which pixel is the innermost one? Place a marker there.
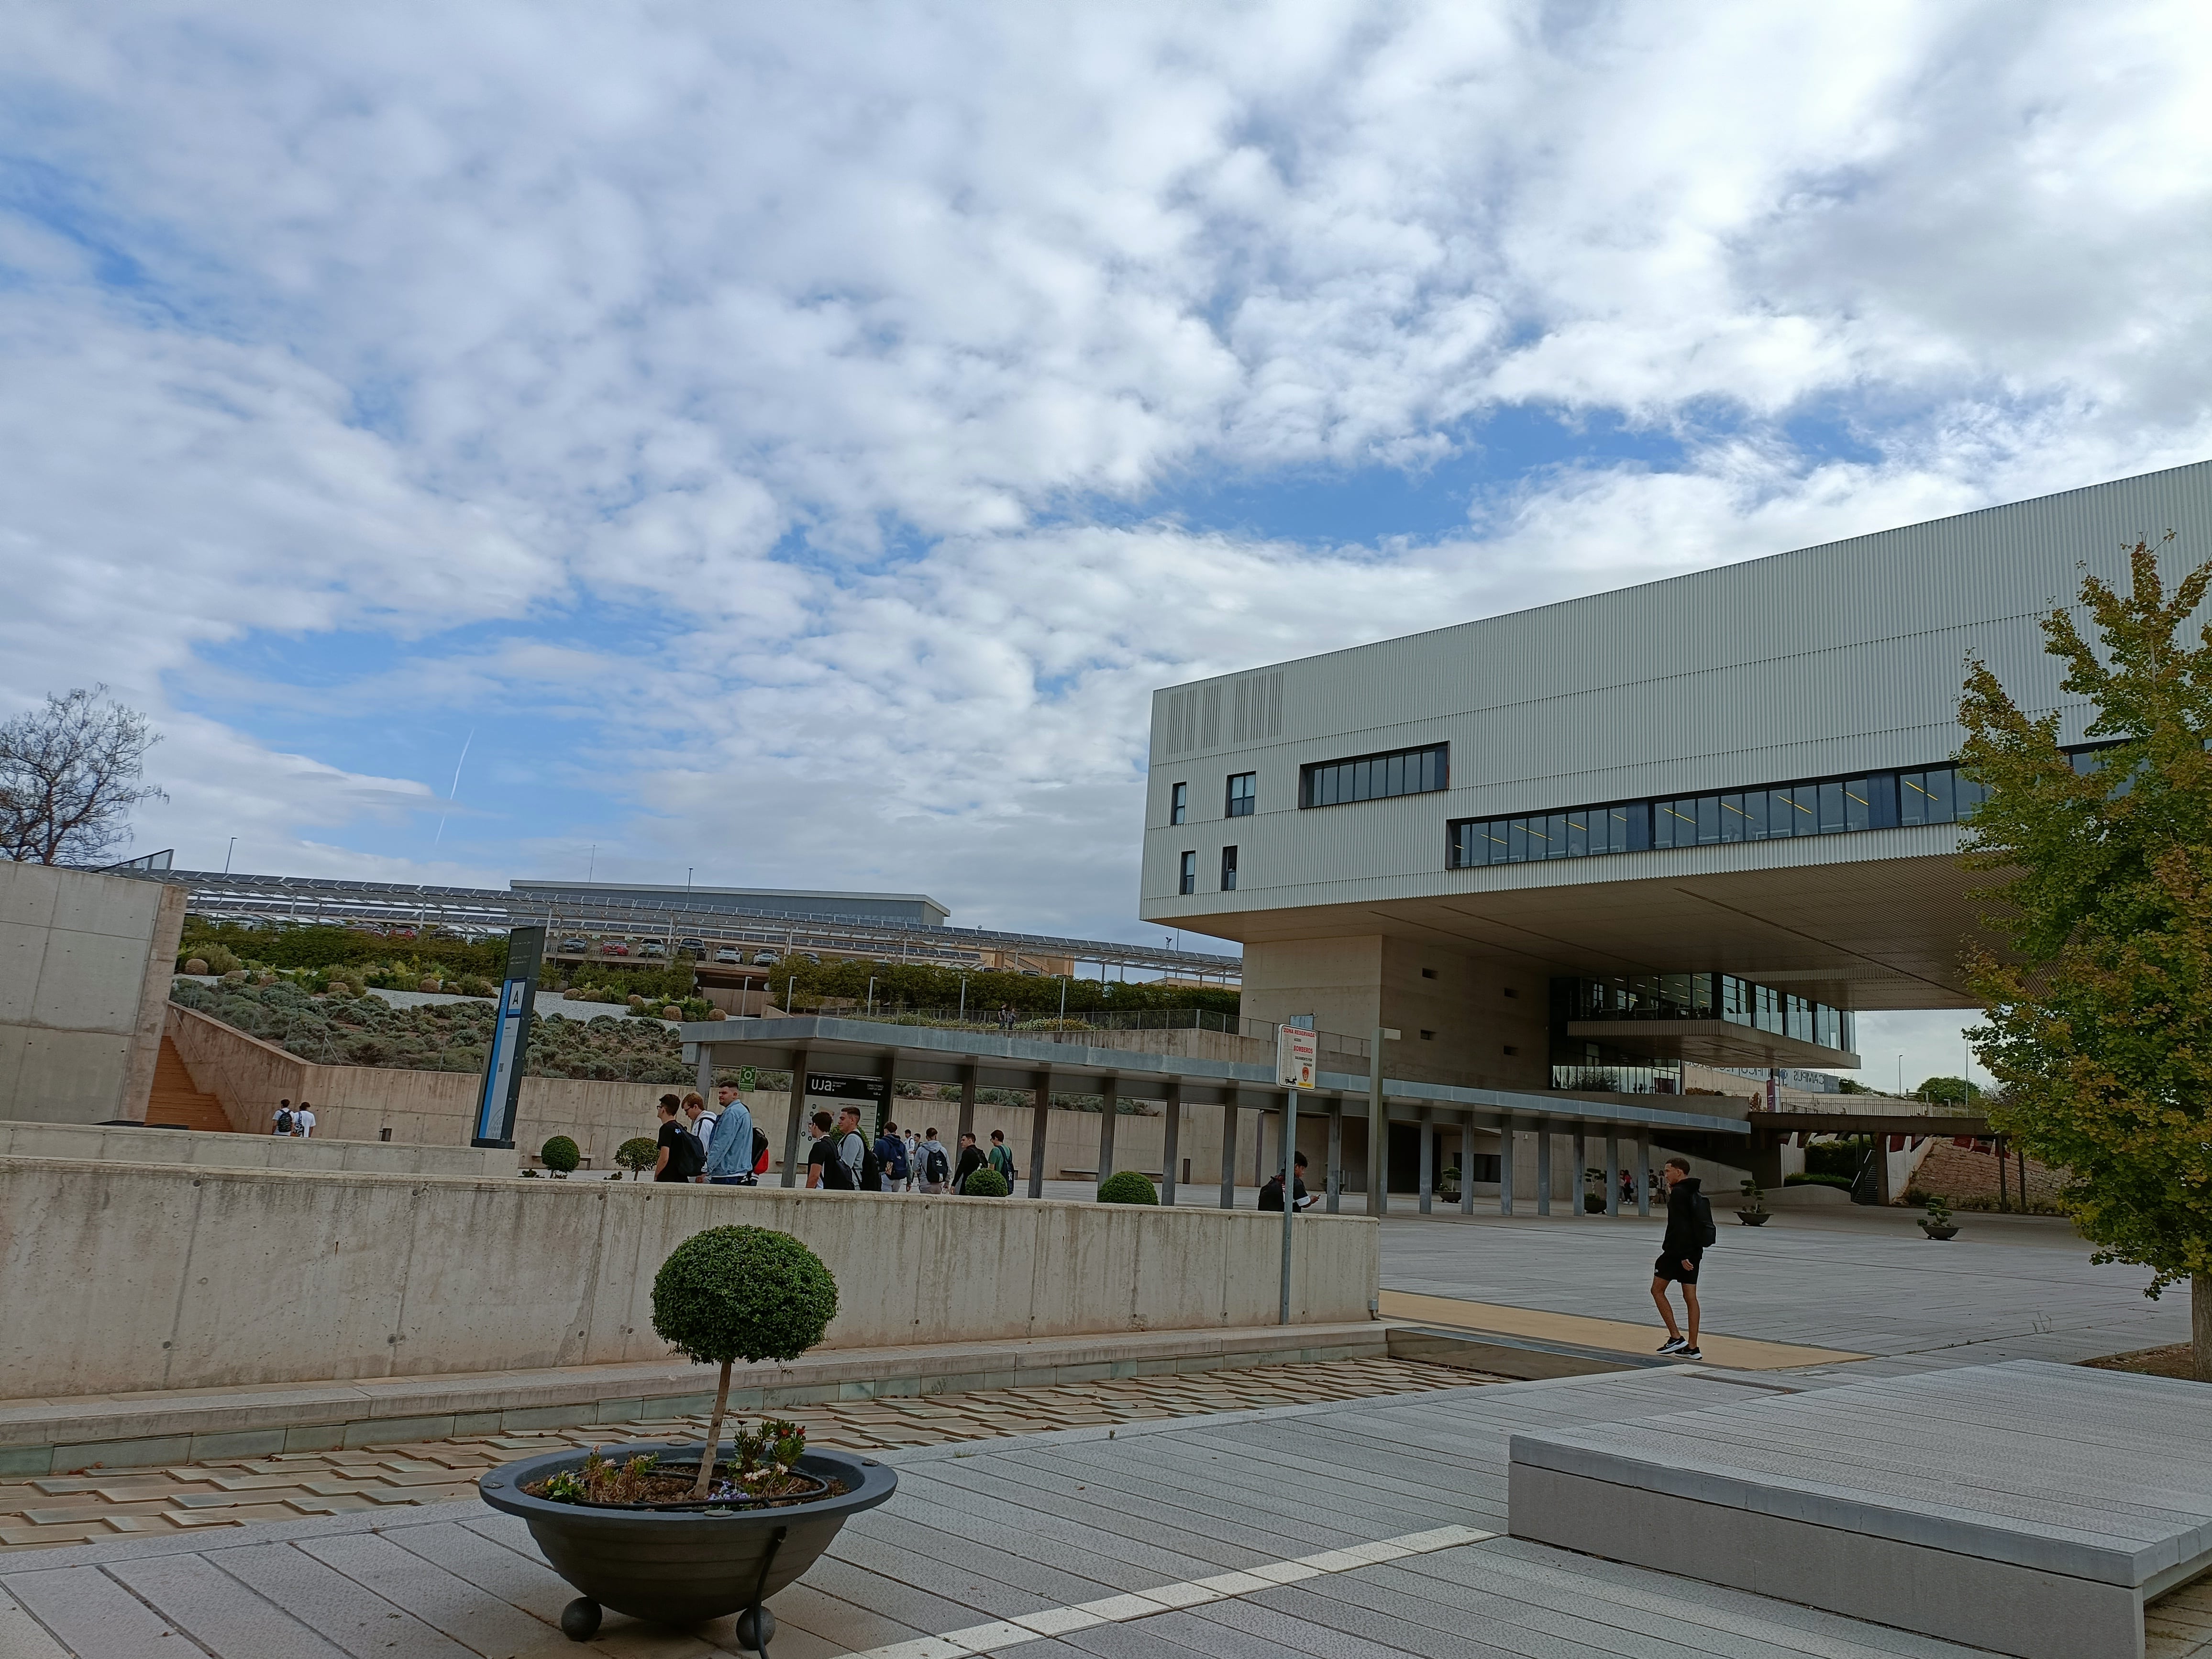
(729, 953)
(614, 948)
(574, 946)
(652, 947)
(764, 958)
(403, 933)
(691, 945)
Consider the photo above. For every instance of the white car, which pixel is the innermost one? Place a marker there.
(728, 953)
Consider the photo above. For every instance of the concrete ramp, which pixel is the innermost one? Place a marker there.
(2027, 1508)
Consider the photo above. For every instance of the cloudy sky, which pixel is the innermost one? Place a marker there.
(788, 443)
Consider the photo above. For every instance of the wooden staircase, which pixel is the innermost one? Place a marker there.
(177, 1099)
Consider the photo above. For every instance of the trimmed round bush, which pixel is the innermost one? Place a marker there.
(672, 1012)
(197, 965)
(561, 1155)
(1126, 1187)
(635, 1000)
(986, 1183)
(748, 1293)
(428, 983)
(637, 1154)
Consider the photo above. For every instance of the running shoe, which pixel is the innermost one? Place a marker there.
(1672, 1345)
(1689, 1354)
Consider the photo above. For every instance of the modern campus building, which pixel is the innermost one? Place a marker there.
(1710, 818)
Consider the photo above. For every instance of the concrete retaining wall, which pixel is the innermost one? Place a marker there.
(84, 977)
(238, 1152)
(215, 1278)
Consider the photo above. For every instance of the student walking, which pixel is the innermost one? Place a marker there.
(1271, 1195)
(1000, 1159)
(971, 1159)
(731, 1153)
(303, 1120)
(1689, 1230)
(700, 1123)
(934, 1164)
(891, 1159)
(678, 1160)
(282, 1117)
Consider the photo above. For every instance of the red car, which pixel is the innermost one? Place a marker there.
(614, 949)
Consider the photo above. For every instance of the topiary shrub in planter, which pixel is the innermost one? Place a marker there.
(1125, 1186)
(672, 1012)
(196, 965)
(680, 1535)
(986, 1183)
(427, 983)
(561, 1155)
(638, 1154)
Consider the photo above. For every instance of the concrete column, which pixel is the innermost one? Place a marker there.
(1040, 1122)
(1467, 1163)
(1428, 1157)
(1582, 1163)
(791, 1141)
(968, 1077)
(1336, 1172)
(1168, 1164)
(883, 1070)
(1612, 1172)
(1644, 1173)
(1505, 1166)
(1544, 1167)
(705, 1079)
(1883, 1194)
(1108, 1116)
(1229, 1153)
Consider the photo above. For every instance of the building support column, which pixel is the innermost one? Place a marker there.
(883, 1070)
(1378, 1131)
(1643, 1172)
(1575, 1186)
(1428, 1157)
(1109, 1114)
(1544, 1167)
(1335, 1153)
(791, 1130)
(1612, 1172)
(1229, 1152)
(1290, 1192)
(705, 1079)
(1505, 1166)
(1173, 1136)
(1467, 1163)
(967, 1080)
(1040, 1126)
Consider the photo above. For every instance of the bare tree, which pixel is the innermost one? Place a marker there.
(69, 777)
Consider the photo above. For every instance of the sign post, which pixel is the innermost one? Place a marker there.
(1297, 1047)
(510, 1040)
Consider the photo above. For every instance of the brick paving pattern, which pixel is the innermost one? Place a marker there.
(99, 1505)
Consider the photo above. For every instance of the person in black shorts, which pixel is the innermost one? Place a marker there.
(1680, 1254)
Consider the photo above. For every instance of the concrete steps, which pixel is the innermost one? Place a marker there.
(177, 1100)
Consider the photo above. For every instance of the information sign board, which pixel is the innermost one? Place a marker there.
(1297, 1048)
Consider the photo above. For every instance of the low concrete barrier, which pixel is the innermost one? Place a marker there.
(210, 1278)
(248, 1152)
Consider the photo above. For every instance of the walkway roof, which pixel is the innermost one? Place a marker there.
(923, 1054)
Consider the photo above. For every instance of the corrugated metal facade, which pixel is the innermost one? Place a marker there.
(1840, 658)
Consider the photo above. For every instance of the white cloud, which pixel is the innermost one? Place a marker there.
(743, 380)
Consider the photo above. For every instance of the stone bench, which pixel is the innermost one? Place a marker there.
(2028, 1508)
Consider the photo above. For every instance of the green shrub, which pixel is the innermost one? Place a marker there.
(1835, 1158)
(986, 1183)
(218, 958)
(1126, 1187)
(733, 1293)
(1844, 1182)
(638, 1154)
(561, 1155)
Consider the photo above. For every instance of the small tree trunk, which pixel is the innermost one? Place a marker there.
(2200, 1325)
(714, 1434)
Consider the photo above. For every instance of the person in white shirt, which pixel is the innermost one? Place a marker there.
(281, 1119)
(303, 1120)
(913, 1160)
(700, 1123)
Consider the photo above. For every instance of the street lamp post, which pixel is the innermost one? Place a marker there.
(1378, 1127)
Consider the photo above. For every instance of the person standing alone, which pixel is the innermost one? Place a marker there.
(1689, 1230)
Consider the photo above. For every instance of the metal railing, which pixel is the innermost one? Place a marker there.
(1029, 1022)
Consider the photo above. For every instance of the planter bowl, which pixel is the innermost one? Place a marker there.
(1753, 1217)
(681, 1567)
(1947, 1231)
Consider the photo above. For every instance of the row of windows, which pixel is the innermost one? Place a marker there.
(1700, 996)
(1375, 777)
(1241, 799)
(1829, 806)
(1187, 880)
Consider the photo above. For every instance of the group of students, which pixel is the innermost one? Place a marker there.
(718, 1148)
(297, 1121)
(721, 1147)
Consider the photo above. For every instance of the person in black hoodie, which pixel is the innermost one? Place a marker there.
(1680, 1254)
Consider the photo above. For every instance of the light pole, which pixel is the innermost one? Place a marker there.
(226, 851)
(1378, 1127)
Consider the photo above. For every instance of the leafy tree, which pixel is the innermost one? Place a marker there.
(1951, 1091)
(2099, 1029)
(732, 1293)
(69, 777)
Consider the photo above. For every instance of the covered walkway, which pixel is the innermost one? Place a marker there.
(834, 1053)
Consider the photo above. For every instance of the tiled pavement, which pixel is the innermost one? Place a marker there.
(1000, 1543)
(83, 1508)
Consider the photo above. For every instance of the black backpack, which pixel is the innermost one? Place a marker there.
(872, 1169)
(686, 1158)
(935, 1168)
(1708, 1235)
(283, 1123)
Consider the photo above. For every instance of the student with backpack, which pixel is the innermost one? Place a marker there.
(934, 1163)
(1000, 1159)
(283, 1118)
(891, 1159)
(848, 1163)
(1689, 1231)
(731, 1153)
(679, 1157)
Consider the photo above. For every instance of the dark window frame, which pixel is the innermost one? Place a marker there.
(1187, 873)
(1178, 804)
(1229, 869)
(1385, 775)
(1236, 806)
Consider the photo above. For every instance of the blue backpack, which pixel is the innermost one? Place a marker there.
(890, 1152)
